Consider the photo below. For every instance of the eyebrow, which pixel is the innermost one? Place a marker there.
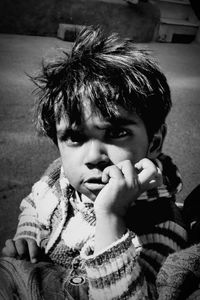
(126, 121)
(62, 133)
(117, 121)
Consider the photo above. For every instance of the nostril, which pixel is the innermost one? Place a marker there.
(100, 165)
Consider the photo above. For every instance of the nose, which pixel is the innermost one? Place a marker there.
(96, 155)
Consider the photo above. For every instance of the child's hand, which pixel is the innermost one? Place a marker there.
(22, 248)
(149, 176)
(124, 183)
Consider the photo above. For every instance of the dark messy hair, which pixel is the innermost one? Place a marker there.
(109, 72)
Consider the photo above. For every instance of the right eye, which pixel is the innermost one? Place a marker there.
(76, 138)
(73, 138)
(118, 133)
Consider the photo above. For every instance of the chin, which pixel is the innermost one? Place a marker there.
(92, 195)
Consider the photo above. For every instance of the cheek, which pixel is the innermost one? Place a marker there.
(70, 165)
(118, 154)
(72, 172)
(133, 152)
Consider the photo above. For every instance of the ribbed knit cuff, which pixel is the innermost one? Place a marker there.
(112, 251)
(115, 273)
(27, 228)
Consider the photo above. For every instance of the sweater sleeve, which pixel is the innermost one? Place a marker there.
(28, 226)
(36, 212)
(38, 206)
(115, 273)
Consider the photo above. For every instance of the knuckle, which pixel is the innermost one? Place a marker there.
(159, 171)
(8, 242)
(146, 161)
(33, 247)
(29, 240)
(127, 162)
(32, 244)
(107, 169)
(20, 246)
(19, 242)
(154, 171)
(4, 250)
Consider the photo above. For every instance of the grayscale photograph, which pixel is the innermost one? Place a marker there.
(99, 150)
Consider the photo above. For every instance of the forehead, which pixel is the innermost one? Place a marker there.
(90, 112)
(94, 118)
(122, 117)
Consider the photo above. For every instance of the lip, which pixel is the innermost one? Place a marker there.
(94, 183)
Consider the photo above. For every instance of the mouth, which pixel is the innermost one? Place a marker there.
(94, 183)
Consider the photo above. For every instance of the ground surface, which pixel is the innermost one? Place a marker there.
(24, 156)
(134, 21)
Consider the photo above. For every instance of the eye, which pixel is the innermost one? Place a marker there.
(117, 133)
(76, 138)
(73, 137)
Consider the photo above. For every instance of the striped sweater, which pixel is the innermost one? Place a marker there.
(64, 225)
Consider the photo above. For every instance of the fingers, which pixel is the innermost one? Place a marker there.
(21, 248)
(9, 250)
(144, 164)
(129, 172)
(149, 175)
(111, 172)
(158, 179)
(144, 173)
(132, 180)
(124, 182)
(27, 248)
(33, 250)
(123, 170)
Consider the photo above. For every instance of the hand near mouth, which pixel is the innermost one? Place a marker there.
(124, 183)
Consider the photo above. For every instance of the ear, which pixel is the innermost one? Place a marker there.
(156, 143)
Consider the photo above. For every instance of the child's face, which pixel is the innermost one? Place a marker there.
(98, 143)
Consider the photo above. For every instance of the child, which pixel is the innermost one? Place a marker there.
(101, 213)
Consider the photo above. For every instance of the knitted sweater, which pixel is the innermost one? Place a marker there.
(55, 217)
(179, 277)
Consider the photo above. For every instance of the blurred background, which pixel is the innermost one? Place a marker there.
(29, 29)
(140, 20)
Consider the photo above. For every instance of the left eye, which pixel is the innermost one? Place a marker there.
(117, 133)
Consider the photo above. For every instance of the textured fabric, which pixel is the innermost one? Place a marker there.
(22, 280)
(191, 213)
(115, 273)
(179, 277)
(53, 215)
